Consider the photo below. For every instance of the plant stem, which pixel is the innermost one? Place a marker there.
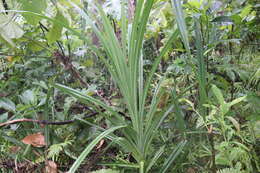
(141, 167)
(213, 152)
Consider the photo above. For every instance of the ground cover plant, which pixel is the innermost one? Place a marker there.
(129, 86)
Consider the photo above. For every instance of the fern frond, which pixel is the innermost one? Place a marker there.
(55, 149)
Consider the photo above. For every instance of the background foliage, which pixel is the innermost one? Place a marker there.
(129, 86)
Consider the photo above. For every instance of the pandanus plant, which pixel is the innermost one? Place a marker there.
(124, 61)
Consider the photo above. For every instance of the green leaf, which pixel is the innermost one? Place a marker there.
(246, 10)
(201, 67)
(83, 98)
(178, 112)
(36, 46)
(155, 158)
(173, 156)
(218, 94)
(234, 122)
(105, 171)
(55, 32)
(224, 108)
(256, 128)
(222, 19)
(7, 104)
(9, 29)
(236, 101)
(28, 97)
(88, 149)
(177, 8)
(3, 117)
(37, 6)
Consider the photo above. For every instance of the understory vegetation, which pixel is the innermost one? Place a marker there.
(148, 86)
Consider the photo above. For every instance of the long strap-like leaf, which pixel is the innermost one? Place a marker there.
(88, 149)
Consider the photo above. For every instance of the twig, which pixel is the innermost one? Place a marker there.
(66, 61)
(44, 122)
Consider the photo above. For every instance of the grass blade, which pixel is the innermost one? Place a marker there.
(178, 112)
(181, 23)
(88, 149)
(201, 72)
(173, 156)
(155, 158)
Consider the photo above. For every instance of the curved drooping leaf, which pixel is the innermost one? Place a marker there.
(55, 32)
(37, 6)
(9, 29)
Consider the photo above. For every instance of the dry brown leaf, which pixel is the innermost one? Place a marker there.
(36, 140)
(51, 167)
(191, 170)
(100, 144)
(210, 129)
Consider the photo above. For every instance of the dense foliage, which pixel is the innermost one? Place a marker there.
(130, 86)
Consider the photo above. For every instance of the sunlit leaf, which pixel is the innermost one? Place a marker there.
(55, 32)
(9, 29)
(238, 100)
(218, 94)
(7, 104)
(28, 97)
(105, 171)
(246, 10)
(37, 6)
(235, 123)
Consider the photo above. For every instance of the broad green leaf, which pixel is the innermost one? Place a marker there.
(235, 123)
(218, 94)
(55, 32)
(237, 19)
(9, 29)
(236, 101)
(88, 149)
(37, 6)
(7, 104)
(3, 117)
(195, 3)
(28, 97)
(222, 19)
(35, 46)
(246, 10)
(224, 108)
